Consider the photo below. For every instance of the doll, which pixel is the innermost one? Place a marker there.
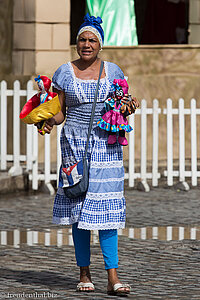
(41, 106)
(114, 120)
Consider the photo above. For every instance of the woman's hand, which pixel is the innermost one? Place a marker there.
(48, 125)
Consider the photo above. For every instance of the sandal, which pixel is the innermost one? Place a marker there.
(115, 291)
(81, 285)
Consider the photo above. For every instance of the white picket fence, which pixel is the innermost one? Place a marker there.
(29, 161)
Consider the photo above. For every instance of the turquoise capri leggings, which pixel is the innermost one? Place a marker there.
(108, 241)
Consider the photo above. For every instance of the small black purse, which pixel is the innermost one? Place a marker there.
(75, 179)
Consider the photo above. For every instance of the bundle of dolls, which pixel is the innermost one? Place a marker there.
(117, 109)
(42, 106)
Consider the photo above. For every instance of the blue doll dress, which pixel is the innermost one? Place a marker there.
(104, 205)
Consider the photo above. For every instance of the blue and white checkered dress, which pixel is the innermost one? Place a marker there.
(104, 205)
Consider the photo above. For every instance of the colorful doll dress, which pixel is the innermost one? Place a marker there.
(113, 120)
(103, 206)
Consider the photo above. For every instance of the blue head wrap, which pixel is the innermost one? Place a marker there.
(92, 24)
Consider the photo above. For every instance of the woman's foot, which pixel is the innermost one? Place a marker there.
(85, 284)
(115, 287)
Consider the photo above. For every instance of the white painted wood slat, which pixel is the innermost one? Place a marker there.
(169, 143)
(131, 169)
(181, 141)
(193, 119)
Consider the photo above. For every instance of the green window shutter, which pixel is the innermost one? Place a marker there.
(119, 21)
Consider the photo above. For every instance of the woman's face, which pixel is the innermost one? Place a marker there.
(88, 46)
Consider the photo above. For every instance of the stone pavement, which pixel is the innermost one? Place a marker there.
(156, 269)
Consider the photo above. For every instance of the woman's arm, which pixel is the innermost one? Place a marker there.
(59, 117)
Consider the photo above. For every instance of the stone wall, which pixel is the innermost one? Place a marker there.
(6, 12)
(159, 72)
(41, 36)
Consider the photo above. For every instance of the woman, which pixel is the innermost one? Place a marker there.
(103, 207)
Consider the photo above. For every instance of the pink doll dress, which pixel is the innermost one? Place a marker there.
(113, 120)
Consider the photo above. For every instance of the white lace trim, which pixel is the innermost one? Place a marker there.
(104, 196)
(106, 164)
(74, 83)
(97, 196)
(108, 85)
(71, 136)
(90, 80)
(100, 213)
(81, 95)
(107, 179)
(87, 80)
(65, 221)
(87, 226)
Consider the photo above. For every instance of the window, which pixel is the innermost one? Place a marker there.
(157, 21)
(78, 8)
(162, 21)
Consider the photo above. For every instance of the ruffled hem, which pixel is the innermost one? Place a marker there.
(65, 221)
(87, 226)
(113, 128)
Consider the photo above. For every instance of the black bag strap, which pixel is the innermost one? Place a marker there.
(93, 109)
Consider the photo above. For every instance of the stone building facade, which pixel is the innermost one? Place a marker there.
(35, 35)
(41, 36)
(35, 39)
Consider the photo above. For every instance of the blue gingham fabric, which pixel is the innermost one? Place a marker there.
(104, 206)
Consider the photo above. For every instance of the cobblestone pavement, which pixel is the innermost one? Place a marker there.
(155, 269)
